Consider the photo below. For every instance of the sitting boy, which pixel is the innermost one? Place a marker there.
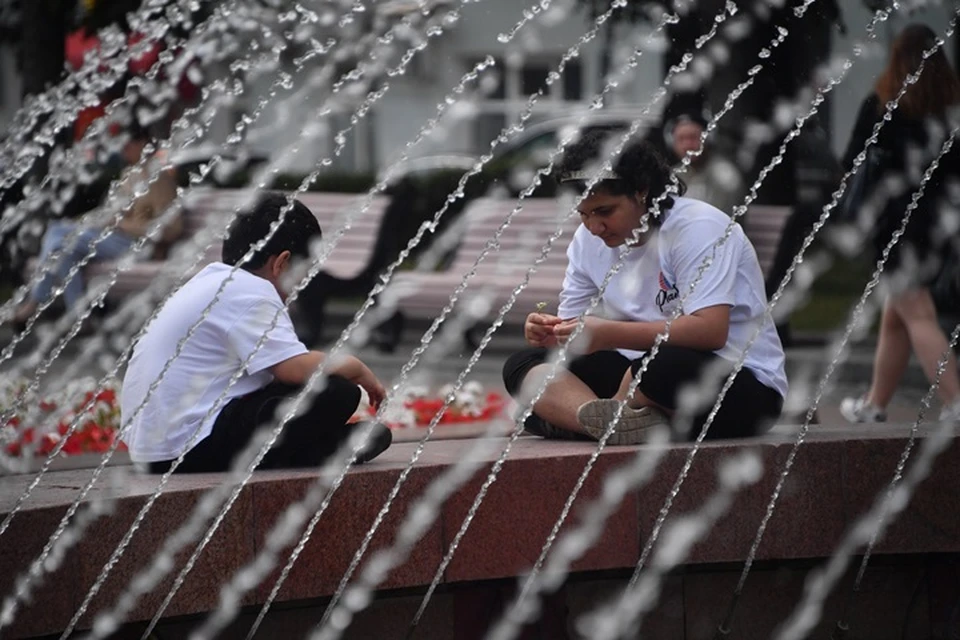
(248, 335)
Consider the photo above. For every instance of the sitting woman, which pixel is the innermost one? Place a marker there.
(715, 323)
(144, 201)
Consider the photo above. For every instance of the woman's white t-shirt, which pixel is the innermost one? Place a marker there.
(656, 278)
(188, 396)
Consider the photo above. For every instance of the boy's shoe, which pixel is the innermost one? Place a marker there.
(634, 427)
(378, 441)
(858, 410)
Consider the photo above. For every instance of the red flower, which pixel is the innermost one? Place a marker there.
(47, 444)
(74, 445)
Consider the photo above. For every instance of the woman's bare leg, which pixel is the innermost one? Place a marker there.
(891, 358)
(563, 396)
(919, 314)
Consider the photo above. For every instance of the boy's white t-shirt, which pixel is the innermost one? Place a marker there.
(209, 359)
(656, 275)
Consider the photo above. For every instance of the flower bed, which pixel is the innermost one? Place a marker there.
(416, 407)
(35, 430)
(31, 434)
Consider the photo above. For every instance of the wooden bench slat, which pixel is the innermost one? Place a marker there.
(521, 244)
(215, 207)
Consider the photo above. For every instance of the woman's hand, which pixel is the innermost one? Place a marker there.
(593, 333)
(538, 329)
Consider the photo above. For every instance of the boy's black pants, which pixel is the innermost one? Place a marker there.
(306, 440)
(750, 408)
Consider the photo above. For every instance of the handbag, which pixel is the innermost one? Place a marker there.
(862, 184)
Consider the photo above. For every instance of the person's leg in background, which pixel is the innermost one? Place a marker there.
(890, 358)
(749, 407)
(909, 322)
(589, 377)
(798, 225)
(919, 315)
(55, 240)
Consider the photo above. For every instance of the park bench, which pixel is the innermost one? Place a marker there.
(216, 206)
(764, 225)
(425, 293)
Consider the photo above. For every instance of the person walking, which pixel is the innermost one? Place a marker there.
(906, 145)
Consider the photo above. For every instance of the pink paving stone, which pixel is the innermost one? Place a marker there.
(809, 513)
(810, 495)
(230, 545)
(521, 507)
(340, 531)
(930, 519)
(52, 602)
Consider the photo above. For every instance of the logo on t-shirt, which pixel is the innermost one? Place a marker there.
(668, 292)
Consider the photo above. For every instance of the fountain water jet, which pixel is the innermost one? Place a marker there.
(871, 525)
(621, 609)
(36, 567)
(234, 138)
(426, 339)
(107, 624)
(496, 324)
(101, 68)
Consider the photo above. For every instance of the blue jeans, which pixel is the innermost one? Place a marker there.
(113, 246)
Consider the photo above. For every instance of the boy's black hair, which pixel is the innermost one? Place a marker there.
(298, 229)
(640, 168)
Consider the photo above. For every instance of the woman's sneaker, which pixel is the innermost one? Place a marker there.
(950, 412)
(634, 427)
(859, 410)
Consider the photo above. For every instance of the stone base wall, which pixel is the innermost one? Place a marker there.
(910, 597)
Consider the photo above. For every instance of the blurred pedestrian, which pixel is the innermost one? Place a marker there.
(906, 145)
(140, 212)
(709, 177)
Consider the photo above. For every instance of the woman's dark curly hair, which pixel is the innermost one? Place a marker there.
(640, 168)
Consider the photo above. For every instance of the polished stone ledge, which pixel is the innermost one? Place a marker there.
(835, 478)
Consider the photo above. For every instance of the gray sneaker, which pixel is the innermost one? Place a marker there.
(950, 413)
(634, 427)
